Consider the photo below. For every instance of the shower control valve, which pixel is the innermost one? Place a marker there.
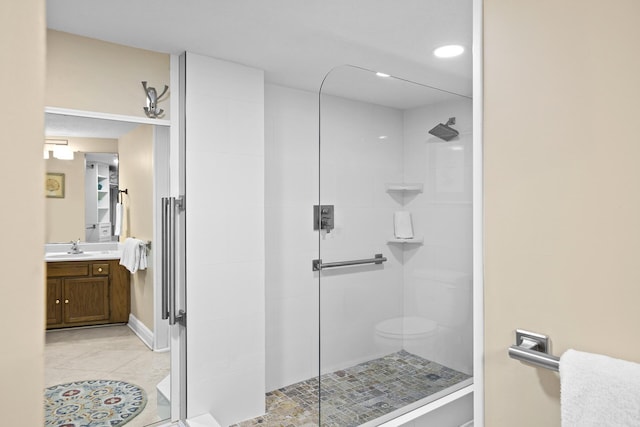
(323, 218)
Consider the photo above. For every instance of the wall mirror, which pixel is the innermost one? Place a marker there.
(87, 152)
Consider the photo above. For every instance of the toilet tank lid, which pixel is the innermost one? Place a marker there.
(445, 276)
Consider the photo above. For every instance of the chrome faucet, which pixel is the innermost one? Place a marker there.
(74, 247)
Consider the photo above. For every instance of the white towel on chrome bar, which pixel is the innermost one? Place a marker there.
(402, 227)
(134, 255)
(118, 228)
(597, 390)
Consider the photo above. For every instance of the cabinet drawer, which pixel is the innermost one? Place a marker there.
(100, 269)
(67, 269)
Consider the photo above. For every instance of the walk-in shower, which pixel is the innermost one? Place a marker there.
(397, 335)
(365, 324)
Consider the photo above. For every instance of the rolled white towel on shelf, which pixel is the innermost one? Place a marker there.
(402, 226)
(597, 390)
(134, 255)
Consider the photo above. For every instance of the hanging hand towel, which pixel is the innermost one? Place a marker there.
(134, 255)
(597, 390)
(118, 227)
(402, 228)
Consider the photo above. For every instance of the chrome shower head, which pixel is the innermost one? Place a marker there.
(445, 131)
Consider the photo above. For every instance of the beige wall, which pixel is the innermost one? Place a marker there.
(562, 212)
(65, 217)
(136, 175)
(22, 43)
(92, 75)
(64, 220)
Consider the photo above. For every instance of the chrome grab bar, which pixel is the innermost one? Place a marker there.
(165, 259)
(318, 265)
(171, 265)
(533, 348)
(168, 309)
(536, 358)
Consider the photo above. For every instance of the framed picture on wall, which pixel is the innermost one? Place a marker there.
(54, 185)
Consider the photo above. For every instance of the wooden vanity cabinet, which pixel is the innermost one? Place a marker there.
(82, 293)
(54, 301)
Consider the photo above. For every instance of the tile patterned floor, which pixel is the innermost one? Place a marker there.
(110, 352)
(359, 394)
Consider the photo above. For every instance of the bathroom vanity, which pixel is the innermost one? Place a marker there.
(89, 291)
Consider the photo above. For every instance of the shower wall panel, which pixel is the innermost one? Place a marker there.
(361, 149)
(224, 239)
(291, 189)
(357, 163)
(442, 214)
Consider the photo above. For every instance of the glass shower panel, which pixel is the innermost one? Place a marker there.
(394, 218)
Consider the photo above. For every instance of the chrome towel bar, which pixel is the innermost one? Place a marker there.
(318, 265)
(533, 348)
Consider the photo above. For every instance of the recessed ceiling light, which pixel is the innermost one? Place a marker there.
(379, 74)
(449, 51)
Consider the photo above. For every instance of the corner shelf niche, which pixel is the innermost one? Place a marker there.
(400, 186)
(405, 187)
(414, 241)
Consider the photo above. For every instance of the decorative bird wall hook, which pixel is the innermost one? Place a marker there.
(151, 110)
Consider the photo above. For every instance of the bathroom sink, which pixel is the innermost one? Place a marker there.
(88, 255)
(68, 256)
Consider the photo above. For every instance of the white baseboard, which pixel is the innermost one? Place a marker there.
(141, 331)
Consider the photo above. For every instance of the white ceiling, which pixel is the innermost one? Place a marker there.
(296, 42)
(76, 126)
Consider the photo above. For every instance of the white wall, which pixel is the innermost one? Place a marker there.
(442, 215)
(225, 239)
(355, 165)
(291, 190)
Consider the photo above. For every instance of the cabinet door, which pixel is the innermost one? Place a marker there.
(86, 299)
(54, 301)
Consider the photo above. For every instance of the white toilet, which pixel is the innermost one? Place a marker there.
(440, 303)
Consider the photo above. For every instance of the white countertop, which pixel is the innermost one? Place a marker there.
(56, 252)
(85, 256)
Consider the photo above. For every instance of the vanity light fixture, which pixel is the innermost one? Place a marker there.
(449, 51)
(63, 152)
(60, 148)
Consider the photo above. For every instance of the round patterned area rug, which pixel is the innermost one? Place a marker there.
(94, 403)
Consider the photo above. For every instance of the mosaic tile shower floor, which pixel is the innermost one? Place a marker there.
(358, 394)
